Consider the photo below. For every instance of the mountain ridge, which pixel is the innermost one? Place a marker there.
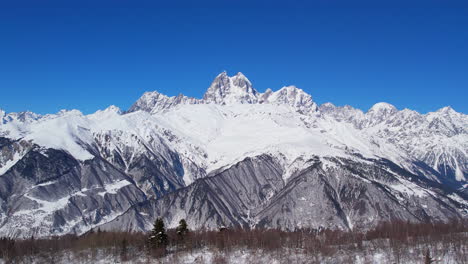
(181, 99)
(254, 153)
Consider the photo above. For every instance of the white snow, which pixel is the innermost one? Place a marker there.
(112, 188)
(49, 207)
(230, 132)
(457, 198)
(409, 189)
(233, 123)
(9, 163)
(382, 106)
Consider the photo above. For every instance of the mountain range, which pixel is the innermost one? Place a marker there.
(236, 157)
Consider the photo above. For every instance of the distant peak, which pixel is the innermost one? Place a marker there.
(382, 106)
(409, 111)
(291, 88)
(69, 112)
(106, 113)
(446, 109)
(328, 105)
(294, 91)
(152, 93)
(114, 109)
(293, 96)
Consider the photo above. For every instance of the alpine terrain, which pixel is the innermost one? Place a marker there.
(236, 157)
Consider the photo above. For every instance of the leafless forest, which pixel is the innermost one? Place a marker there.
(400, 242)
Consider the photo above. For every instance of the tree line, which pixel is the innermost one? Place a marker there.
(395, 237)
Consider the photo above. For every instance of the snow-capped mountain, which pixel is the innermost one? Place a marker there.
(225, 90)
(231, 90)
(234, 157)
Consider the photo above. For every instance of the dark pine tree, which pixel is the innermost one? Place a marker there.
(158, 236)
(182, 229)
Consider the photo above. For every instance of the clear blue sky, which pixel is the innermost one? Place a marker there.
(87, 56)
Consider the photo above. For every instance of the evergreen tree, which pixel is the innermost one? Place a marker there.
(158, 236)
(182, 229)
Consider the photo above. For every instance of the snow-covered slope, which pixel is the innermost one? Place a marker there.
(438, 139)
(226, 134)
(164, 144)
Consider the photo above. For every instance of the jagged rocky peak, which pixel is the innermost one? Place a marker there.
(328, 109)
(154, 102)
(24, 117)
(226, 90)
(449, 113)
(293, 96)
(327, 105)
(408, 114)
(331, 108)
(345, 113)
(112, 109)
(231, 90)
(147, 101)
(289, 94)
(447, 121)
(406, 118)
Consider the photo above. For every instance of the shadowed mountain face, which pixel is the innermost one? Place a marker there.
(252, 193)
(48, 192)
(236, 157)
(230, 197)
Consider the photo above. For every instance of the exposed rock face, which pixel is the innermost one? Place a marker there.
(356, 195)
(25, 117)
(156, 173)
(347, 195)
(229, 90)
(237, 157)
(11, 151)
(294, 97)
(154, 102)
(48, 192)
(230, 197)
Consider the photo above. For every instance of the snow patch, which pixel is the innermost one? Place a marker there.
(10, 163)
(114, 187)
